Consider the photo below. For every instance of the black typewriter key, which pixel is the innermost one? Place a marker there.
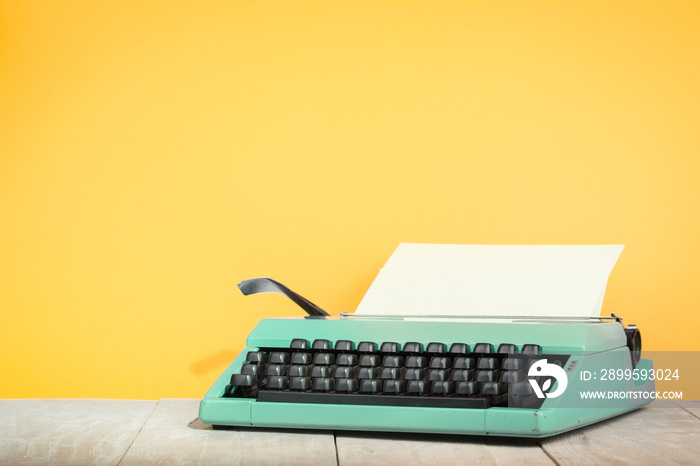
(483, 348)
(299, 343)
(279, 358)
(298, 371)
(413, 347)
(414, 374)
(491, 388)
(511, 377)
(369, 360)
(522, 388)
(244, 380)
(321, 344)
(370, 386)
(346, 385)
(417, 387)
(390, 373)
(299, 383)
(252, 369)
(512, 364)
(367, 373)
(277, 383)
(276, 369)
(344, 345)
(463, 375)
(439, 362)
(416, 361)
(392, 361)
(324, 359)
(344, 372)
(323, 385)
(467, 388)
(346, 359)
(486, 376)
(532, 349)
(459, 348)
(301, 358)
(507, 348)
(367, 347)
(487, 363)
(394, 386)
(436, 348)
(389, 347)
(320, 371)
(438, 374)
(256, 357)
(442, 388)
(464, 363)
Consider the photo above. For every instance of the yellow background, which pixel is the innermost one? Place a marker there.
(152, 155)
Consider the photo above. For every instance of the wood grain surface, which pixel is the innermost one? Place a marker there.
(168, 432)
(360, 448)
(69, 431)
(173, 436)
(665, 434)
(693, 407)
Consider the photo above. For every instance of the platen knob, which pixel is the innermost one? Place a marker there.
(634, 343)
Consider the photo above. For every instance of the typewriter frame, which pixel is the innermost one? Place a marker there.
(591, 343)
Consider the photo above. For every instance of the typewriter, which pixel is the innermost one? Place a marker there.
(446, 372)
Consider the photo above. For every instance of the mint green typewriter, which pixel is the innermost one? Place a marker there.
(448, 371)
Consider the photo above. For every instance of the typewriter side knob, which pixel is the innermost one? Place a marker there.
(634, 343)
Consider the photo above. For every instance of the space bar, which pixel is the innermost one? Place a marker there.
(372, 400)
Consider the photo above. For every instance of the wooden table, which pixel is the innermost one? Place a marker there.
(168, 432)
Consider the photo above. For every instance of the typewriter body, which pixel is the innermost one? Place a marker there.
(455, 374)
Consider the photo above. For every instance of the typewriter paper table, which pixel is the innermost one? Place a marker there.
(168, 432)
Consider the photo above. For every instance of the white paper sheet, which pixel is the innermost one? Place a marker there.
(489, 280)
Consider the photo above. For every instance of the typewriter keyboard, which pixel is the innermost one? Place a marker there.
(390, 374)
